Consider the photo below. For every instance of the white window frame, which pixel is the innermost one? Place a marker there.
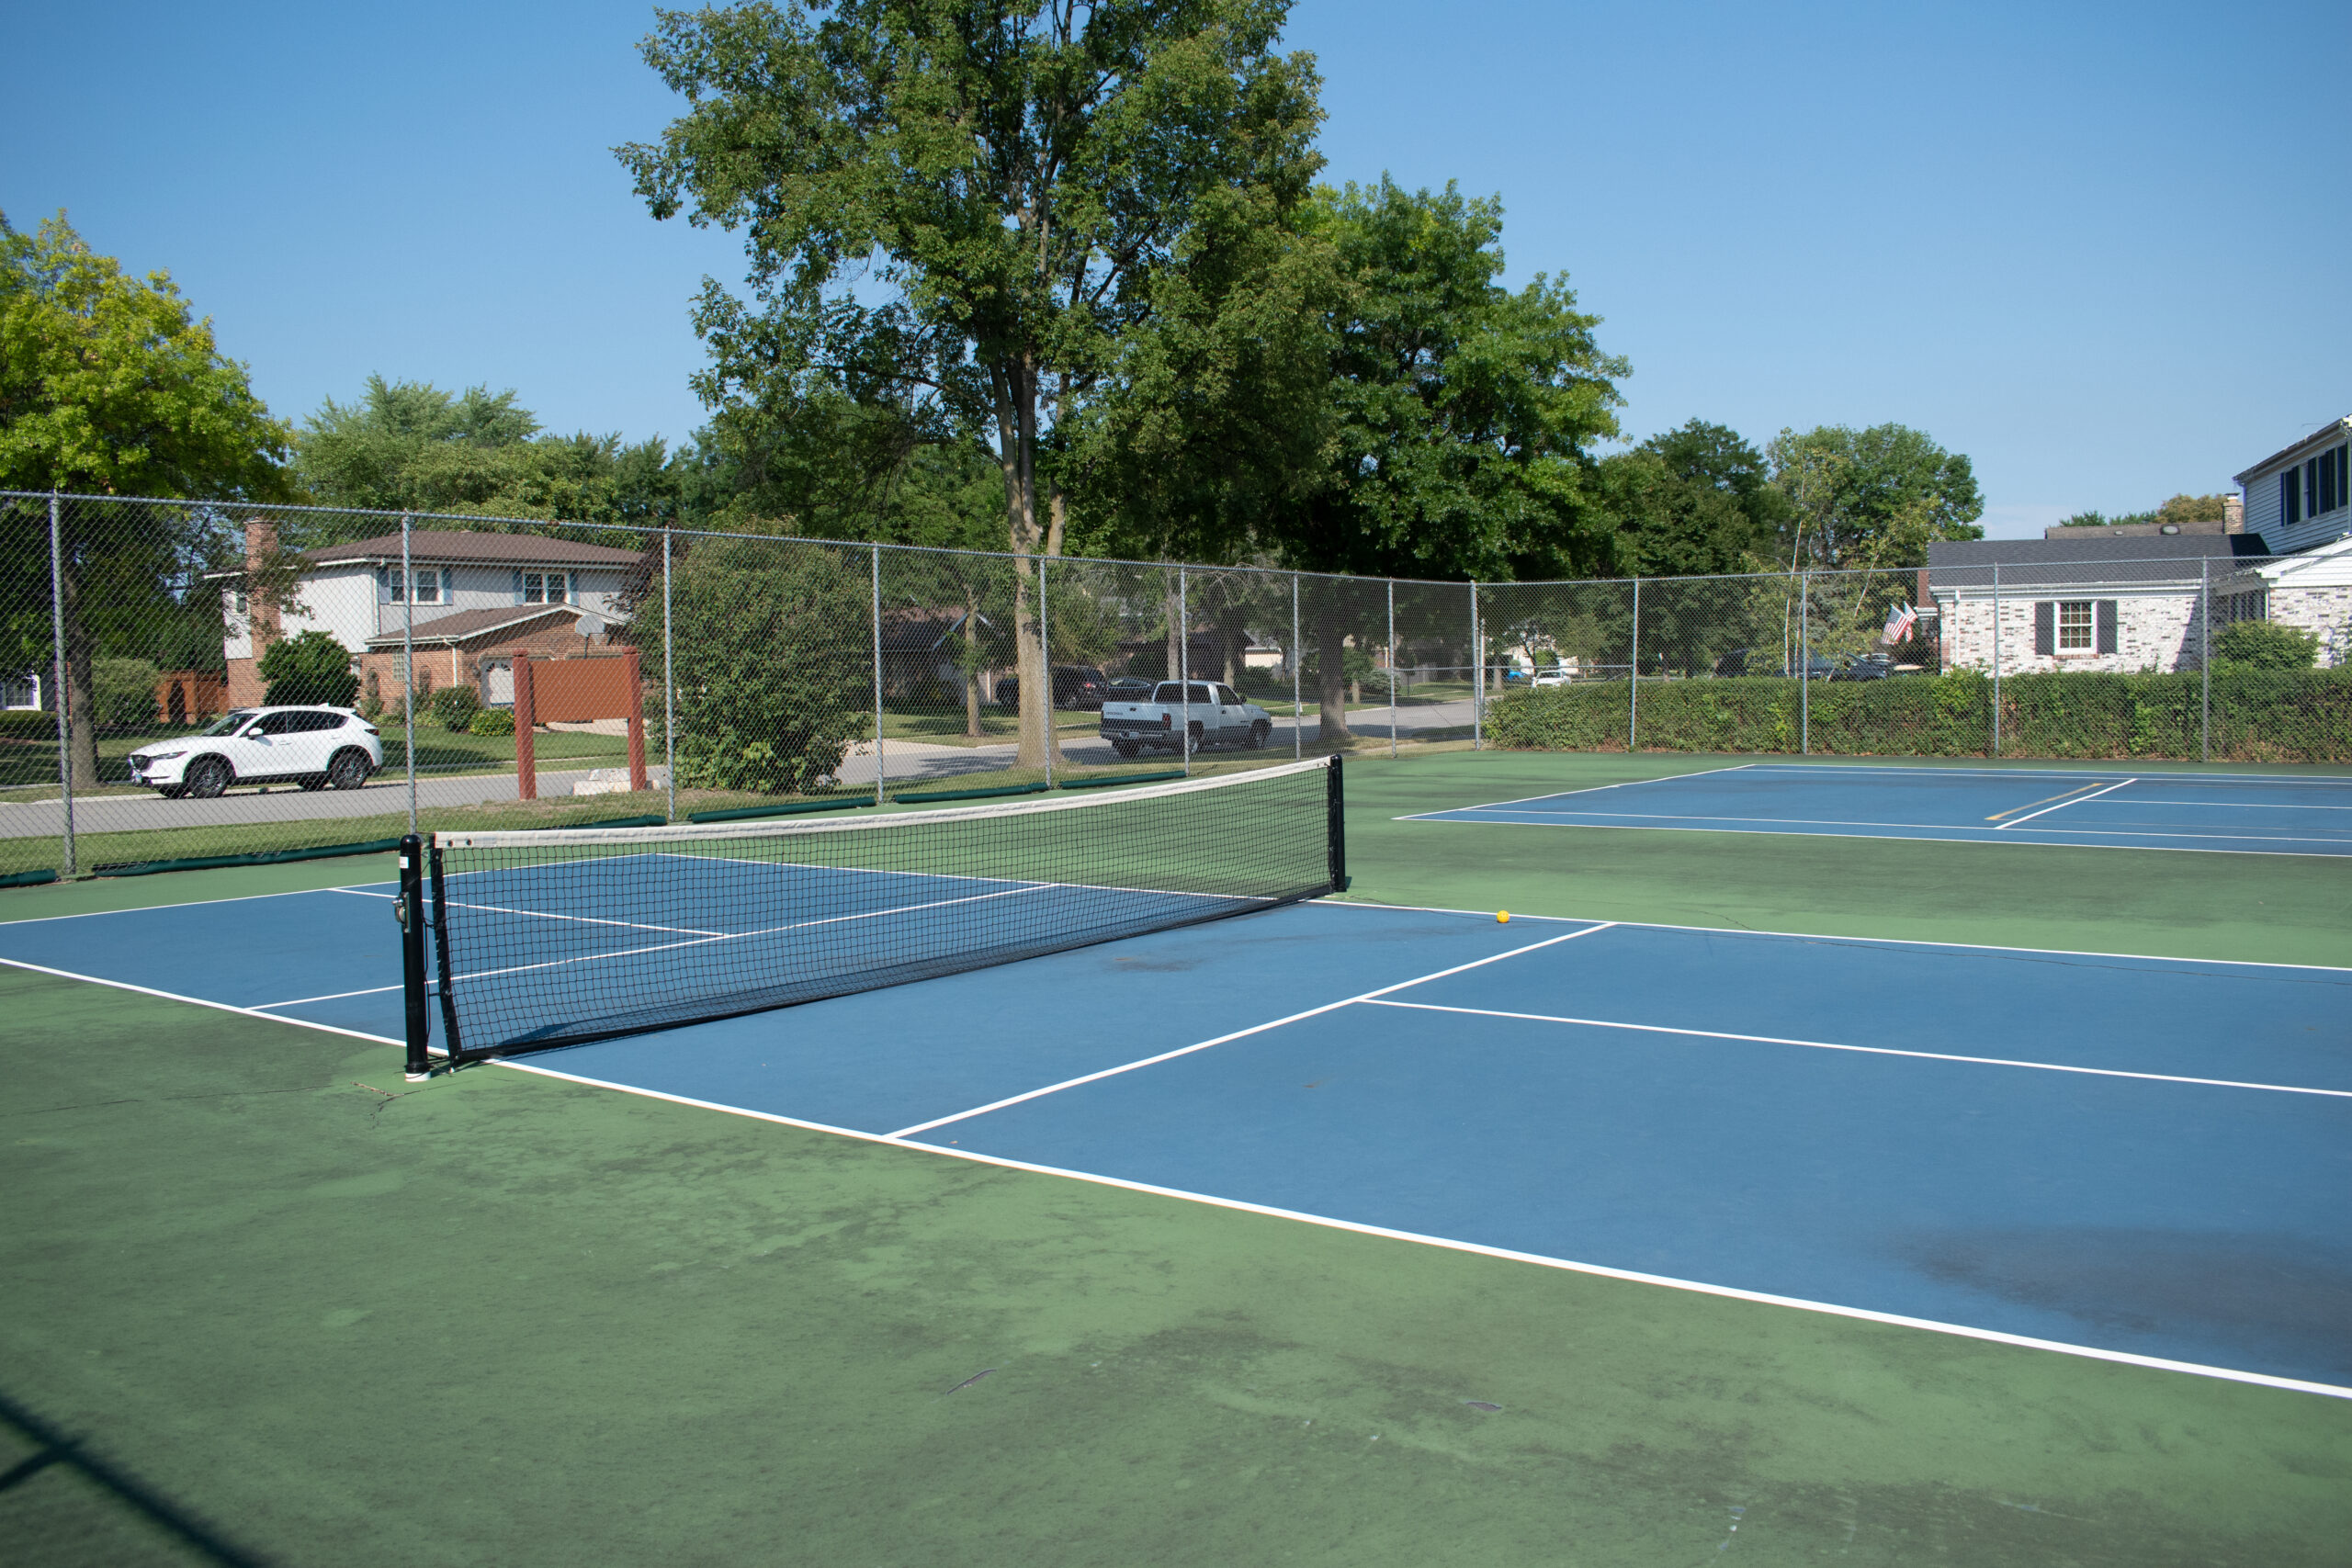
(2065, 629)
(547, 588)
(429, 584)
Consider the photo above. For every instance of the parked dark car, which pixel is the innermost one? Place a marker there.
(1864, 667)
(1759, 662)
(1129, 689)
(1075, 686)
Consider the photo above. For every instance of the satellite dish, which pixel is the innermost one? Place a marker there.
(589, 625)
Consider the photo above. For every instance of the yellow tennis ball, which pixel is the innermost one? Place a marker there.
(1502, 916)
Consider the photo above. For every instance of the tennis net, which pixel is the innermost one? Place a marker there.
(560, 937)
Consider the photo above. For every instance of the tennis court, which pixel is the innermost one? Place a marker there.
(2239, 813)
(1401, 1226)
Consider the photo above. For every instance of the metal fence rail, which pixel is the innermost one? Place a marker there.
(779, 672)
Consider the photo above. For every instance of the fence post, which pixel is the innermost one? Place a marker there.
(1392, 669)
(1477, 675)
(1997, 659)
(2205, 663)
(1046, 648)
(1805, 665)
(408, 669)
(669, 681)
(880, 771)
(1633, 678)
(1184, 670)
(57, 696)
(1297, 706)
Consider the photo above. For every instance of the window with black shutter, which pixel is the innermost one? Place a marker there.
(2106, 610)
(2045, 627)
(2290, 496)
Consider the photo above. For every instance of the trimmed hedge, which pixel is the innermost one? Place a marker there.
(2258, 716)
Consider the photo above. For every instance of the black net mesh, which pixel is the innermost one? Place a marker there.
(562, 937)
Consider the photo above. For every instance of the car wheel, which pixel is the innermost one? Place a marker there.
(347, 771)
(1192, 740)
(207, 777)
(1259, 733)
(1126, 747)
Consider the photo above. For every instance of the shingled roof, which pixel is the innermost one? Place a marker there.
(440, 546)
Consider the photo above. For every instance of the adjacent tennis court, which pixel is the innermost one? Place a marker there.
(1394, 1225)
(2240, 813)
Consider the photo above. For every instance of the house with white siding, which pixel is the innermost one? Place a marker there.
(476, 599)
(2300, 496)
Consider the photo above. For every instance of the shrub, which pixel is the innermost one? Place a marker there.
(492, 721)
(123, 692)
(773, 665)
(309, 668)
(28, 724)
(454, 707)
(2266, 645)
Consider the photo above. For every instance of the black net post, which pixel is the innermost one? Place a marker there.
(409, 908)
(1336, 829)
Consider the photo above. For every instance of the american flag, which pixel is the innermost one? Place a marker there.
(1899, 621)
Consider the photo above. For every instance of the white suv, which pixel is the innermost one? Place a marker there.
(313, 747)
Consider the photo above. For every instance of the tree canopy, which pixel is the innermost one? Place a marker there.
(1869, 498)
(108, 384)
(1007, 179)
(1461, 413)
(413, 446)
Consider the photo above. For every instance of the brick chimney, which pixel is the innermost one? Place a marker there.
(261, 601)
(2233, 515)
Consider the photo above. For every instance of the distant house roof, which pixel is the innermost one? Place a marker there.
(440, 546)
(2109, 561)
(921, 630)
(467, 625)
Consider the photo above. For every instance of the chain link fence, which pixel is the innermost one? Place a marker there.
(437, 672)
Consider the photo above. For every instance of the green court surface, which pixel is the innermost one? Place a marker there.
(295, 1310)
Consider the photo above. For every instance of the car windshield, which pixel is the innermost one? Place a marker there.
(230, 722)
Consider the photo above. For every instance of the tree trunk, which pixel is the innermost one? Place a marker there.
(1016, 412)
(81, 705)
(1330, 635)
(971, 661)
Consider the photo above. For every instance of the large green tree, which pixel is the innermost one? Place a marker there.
(1461, 414)
(111, 386)
(1008, 178)
(413, 446)
(1869, 498)
(1688, 502)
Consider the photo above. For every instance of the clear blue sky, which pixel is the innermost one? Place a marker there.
(2098, 248)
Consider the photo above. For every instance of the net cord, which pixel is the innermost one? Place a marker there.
(708, 833)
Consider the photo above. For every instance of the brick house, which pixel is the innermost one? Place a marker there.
(477, 599)
(2136, 597)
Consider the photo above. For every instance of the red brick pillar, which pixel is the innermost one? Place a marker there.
(636, 724)
(527, 772)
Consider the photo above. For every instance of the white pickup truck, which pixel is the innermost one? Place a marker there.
(1214, 716)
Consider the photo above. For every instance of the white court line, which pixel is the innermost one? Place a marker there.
(1591, 789)
(2085, 773)
(1858, 941)
(1673, 825)
(1870, 1050)
(2225, 805)
(191, 904)
(583, 920)
(2070, 800)
(199, 1001)
(1238, 1034)
(1598, 1270)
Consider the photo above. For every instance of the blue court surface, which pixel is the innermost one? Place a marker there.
(2140, 1158)
(2234, 812)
